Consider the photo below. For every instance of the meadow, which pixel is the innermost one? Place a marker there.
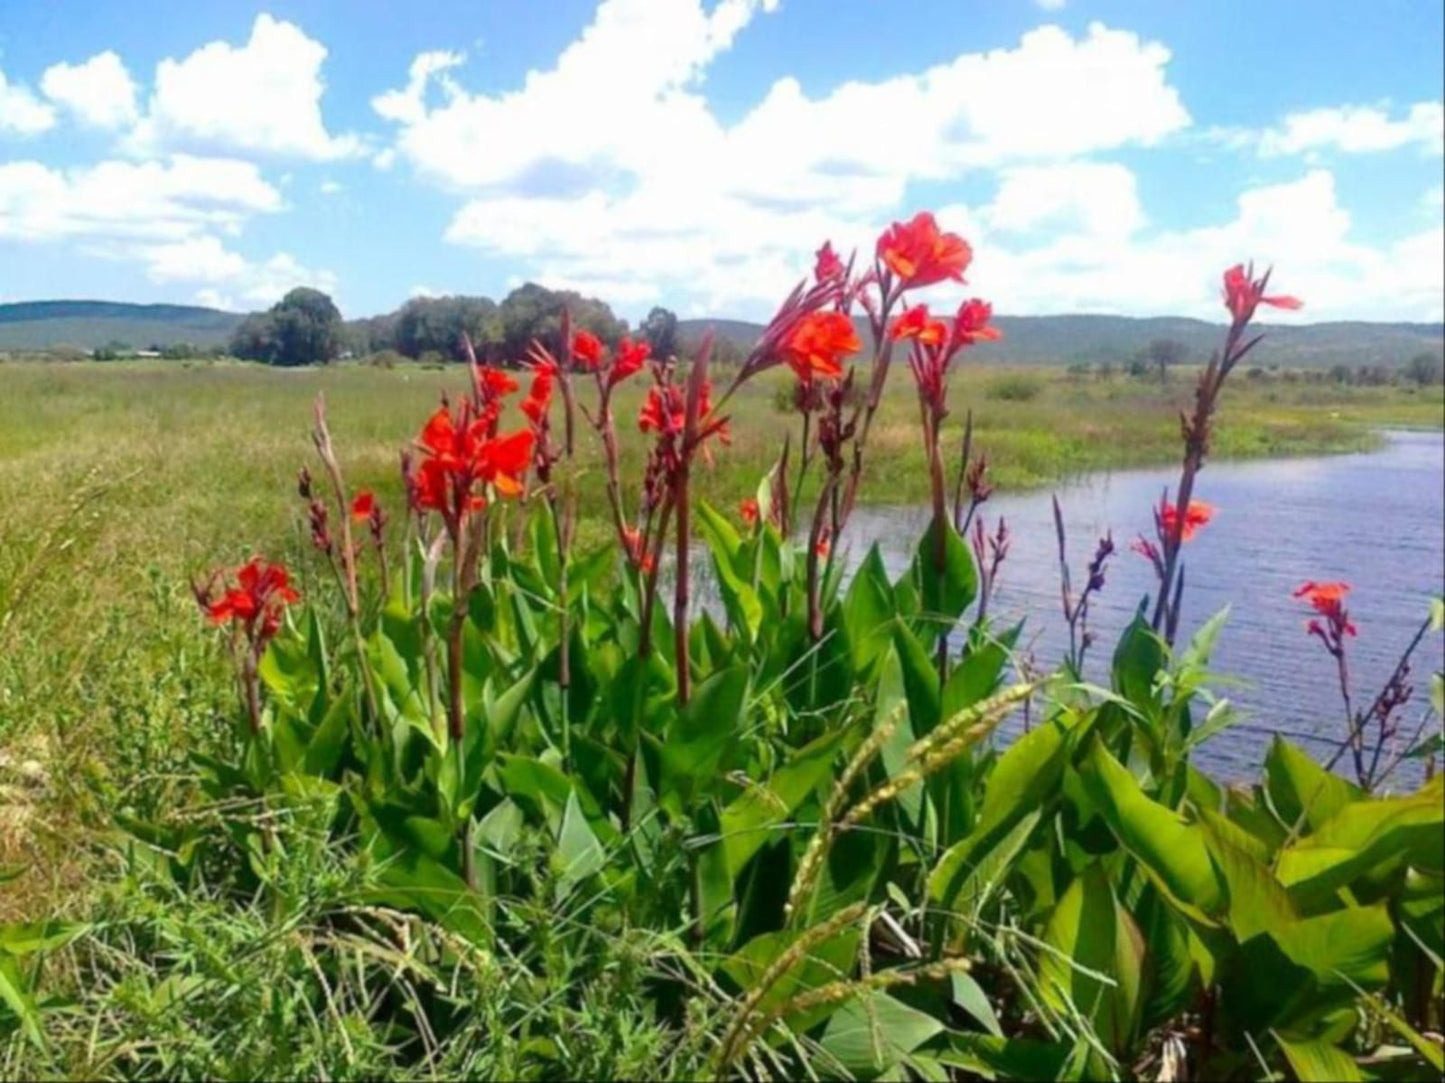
(121, 481)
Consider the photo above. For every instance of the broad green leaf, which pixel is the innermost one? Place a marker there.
(1138, 659)
(700, 738)
(1297, 785)
(1090, 931)
(969, 996)
(24, 938)
(1318, 1062)
(943, 592)
(748, 820)
(869, 611)
(579, 854)
(870, 1034)
(1171, 850)
(920, 681)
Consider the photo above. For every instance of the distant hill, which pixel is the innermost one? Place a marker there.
(1091, 339)
(1027, 339)
(88, 324)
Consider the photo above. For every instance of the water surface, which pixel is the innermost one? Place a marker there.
(1375, 519)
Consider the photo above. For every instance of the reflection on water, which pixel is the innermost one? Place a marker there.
(1376, 520)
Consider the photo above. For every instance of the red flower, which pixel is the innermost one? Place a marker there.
(1243, 293)
(748, 509)
(587, 349)
(1328, 600)
(827, 265)
(817, 344)
(630, 358)
(1196, 515)
(663, 412)
(256, 602)
(363, 505)
(539, 397)
(824, 546)
(915, 323)
(971, 323)
(456, 457)
(920, 255)
(495, 383)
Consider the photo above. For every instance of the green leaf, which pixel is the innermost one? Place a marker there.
(1138, 659)
(920, 681)
(1318, 1062)
(1170, 849)
(744, 609)
(1297, 785)
(943, 593)
(1091, 932)
(969, 996)
(869, 611)
(15, 993)
(870, 1034)
(579, 854)
(24, 938)
(700, 738)
(747, 821)
(328, 743)
(978, 673)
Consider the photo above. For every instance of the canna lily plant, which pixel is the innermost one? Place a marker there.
(801, 788)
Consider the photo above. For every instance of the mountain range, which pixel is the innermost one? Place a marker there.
(32, 325)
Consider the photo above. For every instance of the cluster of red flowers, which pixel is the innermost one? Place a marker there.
(461, 458)
(818, 343)
(919, 254)
(935, 344)
(255, 601)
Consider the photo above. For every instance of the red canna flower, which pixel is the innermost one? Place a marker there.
(828, 266)
(256, 602)
(915, 323)
(920, 255)
(663, 411)
(460, 454)
(630, 358)
(825, 544)
(539, 397)
(817, 344)
(363, 505)
(1196, 515)
(1243, 293)
(494, 382)
(587, 348)
(1328, 600)
(748, 509)
(971, 324)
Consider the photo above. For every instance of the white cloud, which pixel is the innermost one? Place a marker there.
(263, 97)
(100, 92)
(254, 284)
(614, 149)
(1346, 129)
(329, 187)
(1051, 5)
(1299, 227)
(1098, 198)
(21, 112)
(168, 200)
(420, 290)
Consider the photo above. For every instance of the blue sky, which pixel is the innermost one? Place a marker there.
(1100, 156)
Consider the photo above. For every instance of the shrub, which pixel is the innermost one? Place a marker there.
(1014, 388)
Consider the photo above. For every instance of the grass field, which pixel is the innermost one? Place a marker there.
(119, 481)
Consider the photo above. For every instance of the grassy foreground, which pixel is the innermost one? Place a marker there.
(119, 481)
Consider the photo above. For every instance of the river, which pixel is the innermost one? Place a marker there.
(1375, 519)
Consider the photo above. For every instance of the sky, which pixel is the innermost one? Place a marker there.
(1099, 155)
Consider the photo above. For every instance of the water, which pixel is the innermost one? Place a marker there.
(1376, 520)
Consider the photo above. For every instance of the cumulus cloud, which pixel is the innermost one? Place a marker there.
(230, 278)
(263, 97)
(1344, 129)
(21, 112)
(100, 92)
(551, 177)
(1298, 226)
(165, 200)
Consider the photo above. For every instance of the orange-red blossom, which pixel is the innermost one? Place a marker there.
(920, 254)
(1243, 293)
(256, 601)
(818, 343)
(459, 459)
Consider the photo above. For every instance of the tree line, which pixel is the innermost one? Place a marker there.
(305, 327)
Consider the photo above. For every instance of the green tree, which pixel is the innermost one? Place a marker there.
(437, 324)
(303, 328)
(1425, 369)
(1164, 353)
(535, 312)
(660, 330)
